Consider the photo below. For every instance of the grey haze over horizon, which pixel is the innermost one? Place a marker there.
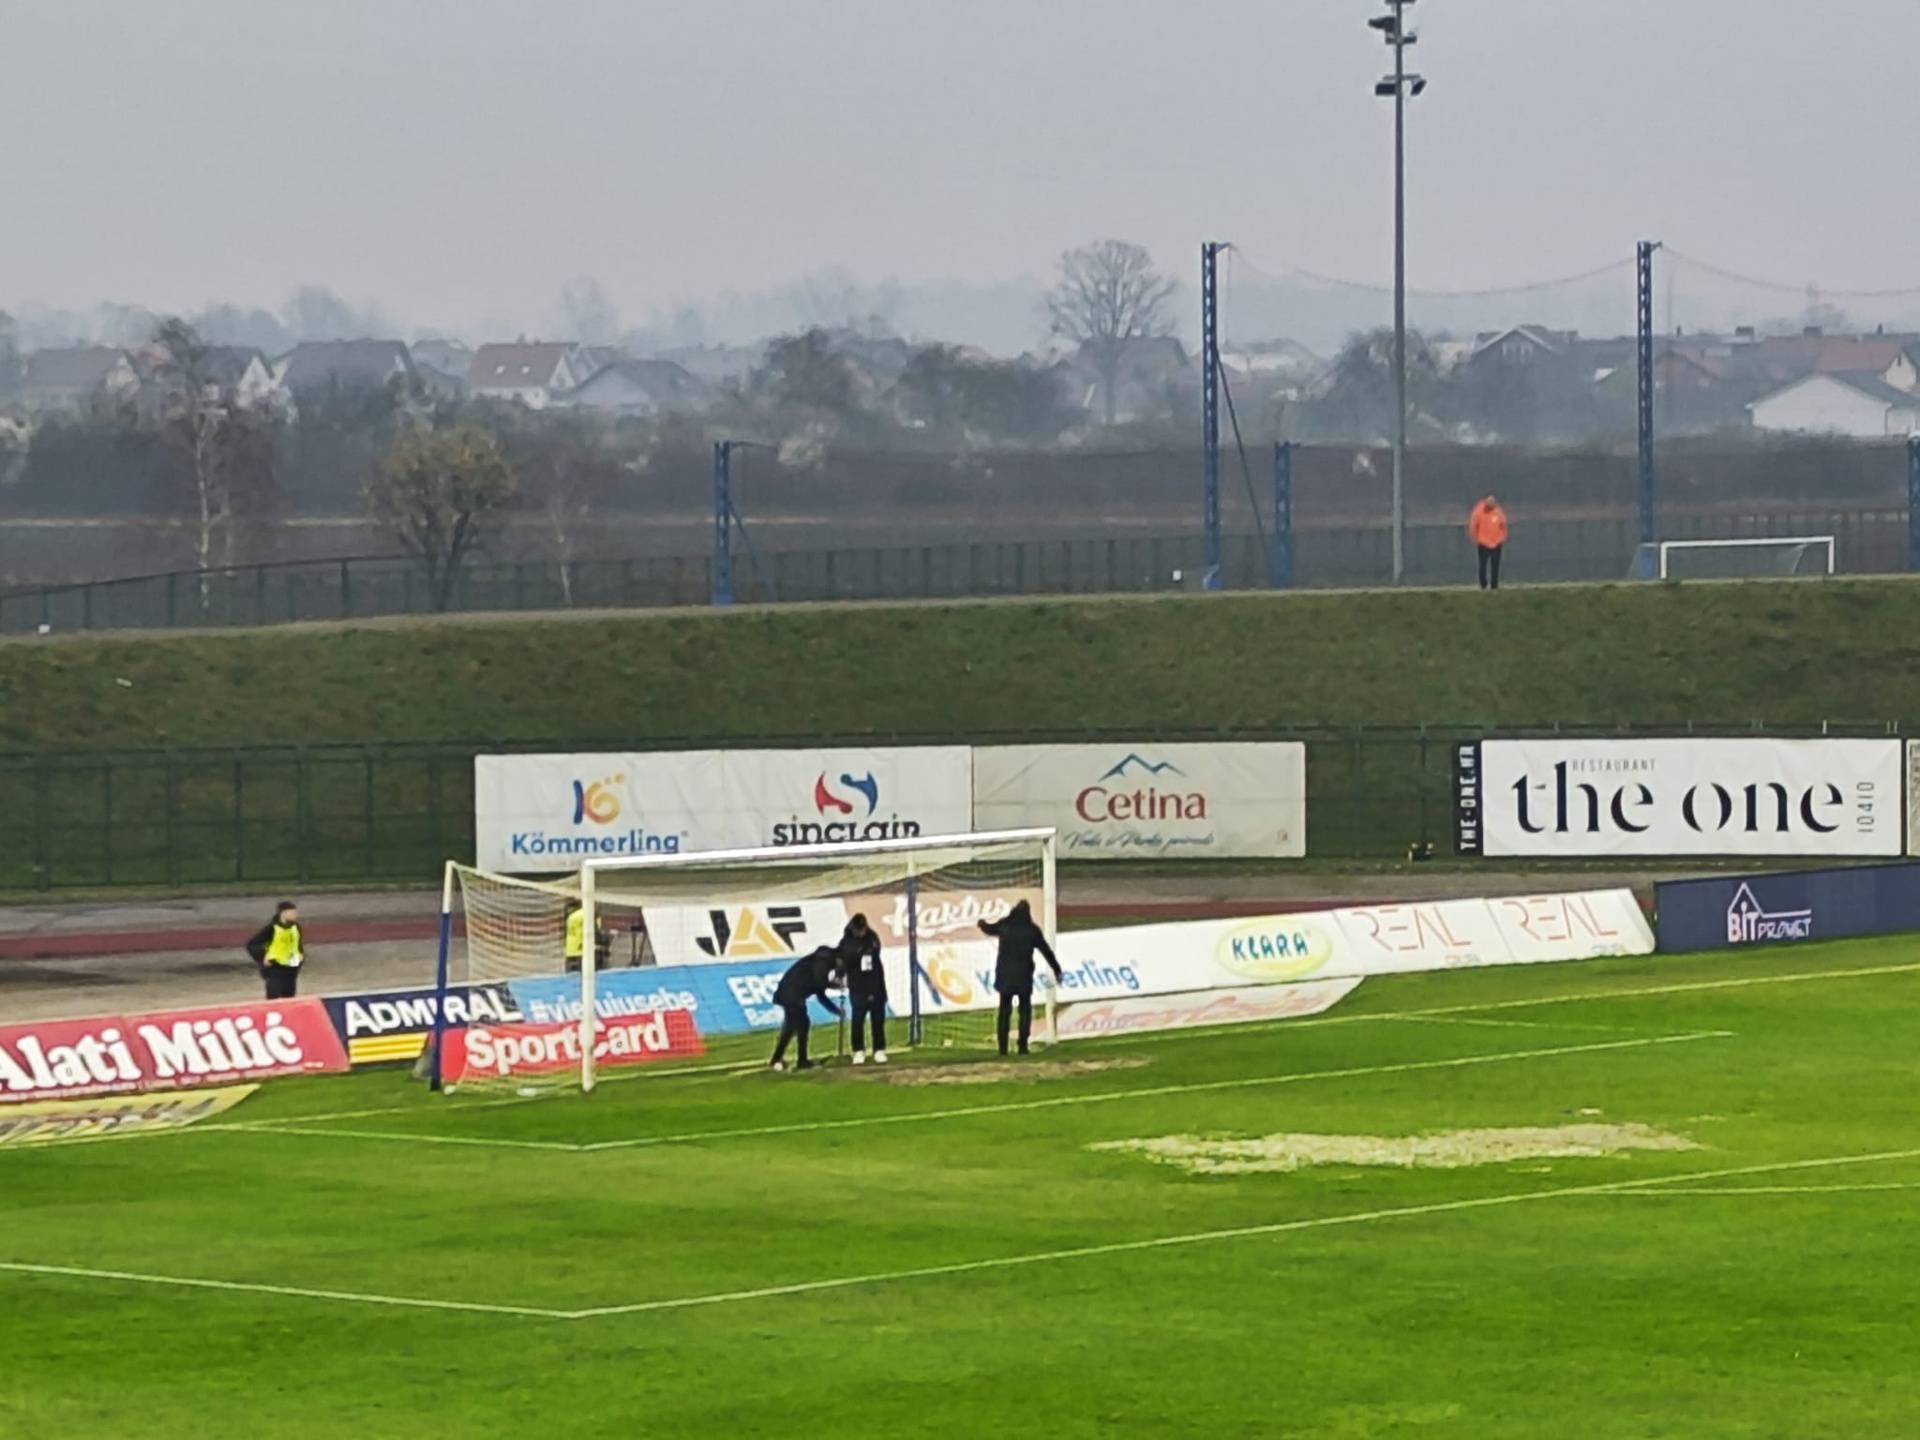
(454, 163)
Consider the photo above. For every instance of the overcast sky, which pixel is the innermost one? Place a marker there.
(458, 161)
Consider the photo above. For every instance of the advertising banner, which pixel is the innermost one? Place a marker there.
(385, 1025)
(1093, 1019)
(41, 1122)
(542, 813)
(1570, 798)
(497, 1052)
(750, 930)
(1118, 802)
(117, 1054)
(723, 999)
(1775, 909)
(1913, 797)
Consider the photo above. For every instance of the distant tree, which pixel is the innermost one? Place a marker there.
(439, 493)
(314, 312)
(948, 395)
(589, 315)
(1355, 399)
(803, 379)
(1108, 294)
(568, 472)
(225, 450)
(232, 325)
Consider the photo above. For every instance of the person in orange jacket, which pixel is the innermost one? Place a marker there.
(1487, 526)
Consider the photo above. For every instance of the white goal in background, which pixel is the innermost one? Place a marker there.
(924, 897)
(1760, 558)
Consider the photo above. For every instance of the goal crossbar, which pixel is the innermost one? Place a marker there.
(777, 855)
(1666, 547)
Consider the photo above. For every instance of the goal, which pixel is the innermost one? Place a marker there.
(676, 956)
(1762, 558)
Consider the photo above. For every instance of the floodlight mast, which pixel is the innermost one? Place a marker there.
(1399, 86)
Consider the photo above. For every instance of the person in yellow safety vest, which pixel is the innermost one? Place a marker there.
(576, 944)
(277, 951)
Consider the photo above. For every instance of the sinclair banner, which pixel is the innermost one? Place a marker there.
(1129, 802)
(1563, 799)
(543, 813)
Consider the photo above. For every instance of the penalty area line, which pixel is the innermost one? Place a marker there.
(1238, 1232)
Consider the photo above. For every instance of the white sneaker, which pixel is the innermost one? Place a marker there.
(879, 1057)
(859, 1058)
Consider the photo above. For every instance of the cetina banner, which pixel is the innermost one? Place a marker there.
(540, 813)
(1569, 798)
(1121, 802)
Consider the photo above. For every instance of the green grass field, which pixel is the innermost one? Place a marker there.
(844, 1254)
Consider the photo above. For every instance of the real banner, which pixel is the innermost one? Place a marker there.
(1120, 802)
(539, 813)
(1568, 798)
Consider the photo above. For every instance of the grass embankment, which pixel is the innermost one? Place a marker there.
(416, 699)
(1789, 653)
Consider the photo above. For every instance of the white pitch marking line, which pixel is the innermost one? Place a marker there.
(962, 1267)
(411, 1137)
(1154, 1091)
(1777, 1190)
(1198, 1237)
(355, 1296)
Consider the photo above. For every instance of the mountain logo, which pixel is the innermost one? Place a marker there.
(1136, 763)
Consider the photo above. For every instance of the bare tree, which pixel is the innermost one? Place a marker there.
(568, 472)
(589, 314)
(226, 449)
(440, 493)
(1108, 294)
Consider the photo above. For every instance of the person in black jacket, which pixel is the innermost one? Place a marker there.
(1013, 970)
(807, 978)
(859, 952)
(278, 951)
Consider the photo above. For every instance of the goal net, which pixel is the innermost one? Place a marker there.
(1767, 558)
(639, 959)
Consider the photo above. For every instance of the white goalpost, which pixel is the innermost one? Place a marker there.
(704, 935)
(1753, 558)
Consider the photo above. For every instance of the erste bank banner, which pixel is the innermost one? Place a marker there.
(1563, 799)
(547, 813)
(1131, 802)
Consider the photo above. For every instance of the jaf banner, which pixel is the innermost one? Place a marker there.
(1571, 798)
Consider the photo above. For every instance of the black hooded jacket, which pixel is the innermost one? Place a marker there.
(859, 953)
(1019, 937)
(808, 978)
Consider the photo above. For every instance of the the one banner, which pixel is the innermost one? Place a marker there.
(1128, 802)
(384, 1025)
(1570, 798)
(537, 813)
(42, 1122)
(1913, 797)
(1778, 908)
(499, 1052)
(118, 1054)
(1094, 1019)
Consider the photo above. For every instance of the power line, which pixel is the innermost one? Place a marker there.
(1782, 287)
(1296, 272)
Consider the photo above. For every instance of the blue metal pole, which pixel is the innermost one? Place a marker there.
(723, 522)
(1643, 309)
(1913, 502)
(1210, 406)
(1283, 515)
(434, 1072)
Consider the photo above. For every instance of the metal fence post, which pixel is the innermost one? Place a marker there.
(1913, 502)
(346, 589)
(1282, 560)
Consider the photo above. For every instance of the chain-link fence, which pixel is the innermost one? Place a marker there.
(388, 813)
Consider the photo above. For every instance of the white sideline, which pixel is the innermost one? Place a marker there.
(298, 1292)
(1653, 1185)
(1003, 1262)
(1051, 1102)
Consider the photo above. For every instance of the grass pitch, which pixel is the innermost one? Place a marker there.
(745, 1254)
